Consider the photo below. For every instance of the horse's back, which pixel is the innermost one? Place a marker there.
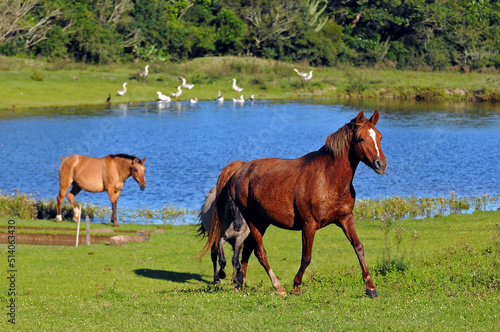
(86, 171)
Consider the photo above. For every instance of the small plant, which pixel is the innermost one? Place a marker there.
(398, 263)
(37, 76)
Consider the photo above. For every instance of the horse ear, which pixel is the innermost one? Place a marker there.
(375, 117)
(361, 117)
(136, 160)
(143, 160)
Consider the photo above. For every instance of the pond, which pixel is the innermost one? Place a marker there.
(432, 149)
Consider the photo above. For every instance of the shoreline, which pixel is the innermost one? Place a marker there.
(30, 84)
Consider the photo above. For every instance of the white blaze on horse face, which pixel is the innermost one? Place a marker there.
(374, 136)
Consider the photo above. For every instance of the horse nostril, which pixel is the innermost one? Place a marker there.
(378, 164)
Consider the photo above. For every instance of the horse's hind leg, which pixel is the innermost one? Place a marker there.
(214, 262)
(64, 184)
(261, 254)
(222, 258)
(71, 198)
(236, 258)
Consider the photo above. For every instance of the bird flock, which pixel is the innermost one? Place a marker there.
(166, 99)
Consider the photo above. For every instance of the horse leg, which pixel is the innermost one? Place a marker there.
(236, 257)
(308, 233)
(60, 198)
(248, 248)
(113, 197)
(261, 254)
(347, 225)
(222, 258)
(214, 262)
(71, 198)
(65, 181)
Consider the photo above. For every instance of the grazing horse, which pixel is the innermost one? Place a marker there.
(304, 194)
(233, 229)
(98, 175)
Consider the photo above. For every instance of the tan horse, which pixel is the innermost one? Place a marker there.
(98, 175)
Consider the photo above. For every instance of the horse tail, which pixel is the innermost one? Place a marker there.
(220, 201)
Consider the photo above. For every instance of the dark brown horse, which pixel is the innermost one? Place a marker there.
(304, 194)
(98, 175)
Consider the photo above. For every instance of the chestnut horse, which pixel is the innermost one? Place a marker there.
(233, 229)
(304, 194)
(98, 175)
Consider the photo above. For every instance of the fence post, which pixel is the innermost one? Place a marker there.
(78, 226)
(88, 229)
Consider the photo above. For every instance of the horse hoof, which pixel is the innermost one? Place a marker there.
(371, 292)
(216, 282)
(222, 274)
(59, 218)
(239, 278)
(296, 291)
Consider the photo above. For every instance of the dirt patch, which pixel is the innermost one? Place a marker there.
(54, 239)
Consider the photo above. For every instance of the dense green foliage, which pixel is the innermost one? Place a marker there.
(417, 34)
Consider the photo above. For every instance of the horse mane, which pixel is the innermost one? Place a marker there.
(123, 155)
(340, 141)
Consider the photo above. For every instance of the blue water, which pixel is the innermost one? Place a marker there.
(431, 149)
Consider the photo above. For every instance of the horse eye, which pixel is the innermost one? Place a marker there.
(361, 140)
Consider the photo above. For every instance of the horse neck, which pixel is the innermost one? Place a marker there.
(123, 167)
(342, 167)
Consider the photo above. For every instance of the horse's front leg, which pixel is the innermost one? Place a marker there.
(71, 198)
(222, 258)
(347, 225)
(113, 197)
(308, 232)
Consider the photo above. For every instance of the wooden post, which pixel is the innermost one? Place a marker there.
(78, 226)
(88, 229)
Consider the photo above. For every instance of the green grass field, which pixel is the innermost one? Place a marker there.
(442, 274)
(36, 84)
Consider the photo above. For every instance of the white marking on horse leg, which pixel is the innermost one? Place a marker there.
(59, 218)
(76, 213)
(373, 135)
(274, 280)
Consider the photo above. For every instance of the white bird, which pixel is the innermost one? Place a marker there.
(145, 72)
(309, 76)
(185, 85)
(178, 93)
(235, 87)
(241, 100)
(220, 99)
(123, 91)
(251, 98)
(194, 100)
(300, 73)
(162, 97)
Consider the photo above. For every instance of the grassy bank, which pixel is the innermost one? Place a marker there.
(27, 83)
(21, 205)
(440, 274)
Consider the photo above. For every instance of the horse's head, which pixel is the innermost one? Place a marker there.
(366, 142)
(138, 170)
